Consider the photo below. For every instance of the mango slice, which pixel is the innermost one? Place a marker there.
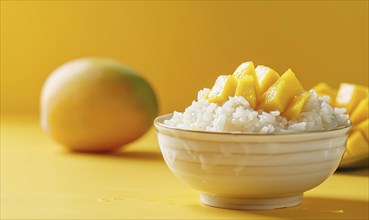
(245, 88)
(357, 150)
(294, 85)
(361, 112)
(281, 92)
(224, 86)
(363, 127)
(349, 95)
(246, 68)
(323, 89)
(275, 97)
(265, 77)
(295, 106)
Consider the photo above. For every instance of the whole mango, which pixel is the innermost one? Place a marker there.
(96, 104)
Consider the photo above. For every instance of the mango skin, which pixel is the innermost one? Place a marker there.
(96, 104)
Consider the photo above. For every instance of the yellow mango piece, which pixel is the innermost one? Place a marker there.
(295, 106)
(363, 127)
(349, 96)
(275, 97)
(294, 85)
(323, 89)
(265, 77)
(224, 86)
(357, 146)
(246, 68)
(361, 112)
(281, 93)
(245, 88)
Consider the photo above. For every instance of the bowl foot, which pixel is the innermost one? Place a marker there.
(250, 203)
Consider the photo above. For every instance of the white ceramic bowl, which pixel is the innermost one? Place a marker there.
(251, 171)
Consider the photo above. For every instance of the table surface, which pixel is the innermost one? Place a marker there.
(42, 180)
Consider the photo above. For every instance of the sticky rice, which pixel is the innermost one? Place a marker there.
(236, 115)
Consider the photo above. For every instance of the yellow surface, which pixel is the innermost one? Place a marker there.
(41, 180)
(184, 44)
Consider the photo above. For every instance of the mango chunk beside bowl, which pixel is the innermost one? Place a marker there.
(363, 127)
(349, 96)
(361, 112)
(357, 149)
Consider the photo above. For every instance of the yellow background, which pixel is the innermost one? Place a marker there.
(180, 47)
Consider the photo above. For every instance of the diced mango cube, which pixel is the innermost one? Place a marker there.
(281, 93)
(357, 146)
(294, 85)
(349, 95)
(361, 112)
(224, 86)
(275, 97)
(295, 106)
(323, 89)
(246, 89)
(363, 127)
(246, 68)
(265, 77)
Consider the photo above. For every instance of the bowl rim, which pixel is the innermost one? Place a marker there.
(162, 125)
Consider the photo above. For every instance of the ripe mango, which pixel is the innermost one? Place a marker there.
(323, 89)
(96, 104)
(361, 111)
(265, 77)
(246, 89)
(246, 68)
(295, 106)
(356, 151)
(363, 127)
(349, 96)
(224, 87)
(278, 96)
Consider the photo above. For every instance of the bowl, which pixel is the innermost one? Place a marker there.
(251, 171)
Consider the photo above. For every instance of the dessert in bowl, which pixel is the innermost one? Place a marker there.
(241, 157)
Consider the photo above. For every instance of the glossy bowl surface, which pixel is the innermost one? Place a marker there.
(248, 170)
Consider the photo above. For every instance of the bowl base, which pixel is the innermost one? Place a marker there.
(250, 203)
